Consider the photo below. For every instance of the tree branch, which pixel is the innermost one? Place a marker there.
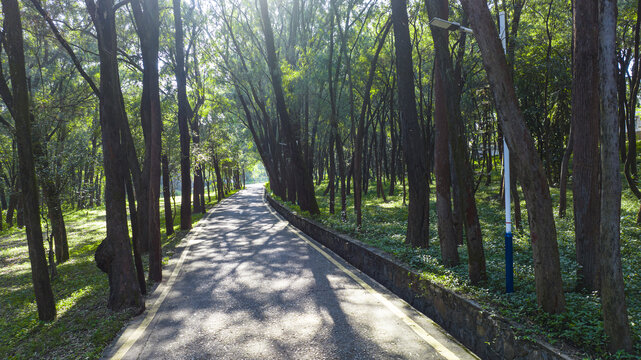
(65, 45)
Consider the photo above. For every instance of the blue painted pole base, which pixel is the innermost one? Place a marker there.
(509, 264)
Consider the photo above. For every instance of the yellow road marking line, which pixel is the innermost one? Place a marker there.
(440, 348)
(131, 339)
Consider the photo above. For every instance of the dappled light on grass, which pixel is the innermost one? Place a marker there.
(84, 325)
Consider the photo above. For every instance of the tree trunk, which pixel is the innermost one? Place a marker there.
(615, 317)
(58, 230)
(98, 184)
(393, 156)
(585, 123)
(411, 136)
(307, 195)
(219, 180)
(135, 232)
(13, 204)
(464, 179)
(20, 211)
(563, 180)
(446, 232)
(184, 116)
(146, 14)
(113, 255)
(337, 143)
(549, 287)
(169, 219)
(13, 39)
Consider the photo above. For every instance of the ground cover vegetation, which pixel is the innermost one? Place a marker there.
(103, 101)
(84, 326)
(580, 326)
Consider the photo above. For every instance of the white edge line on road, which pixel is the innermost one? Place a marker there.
(440, 348)
(133, 336)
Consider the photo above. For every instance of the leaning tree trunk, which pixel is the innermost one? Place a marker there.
(547, 267)
(113, 255)
(615, 317)
(411, 135)
(13, 40)
(305, 184)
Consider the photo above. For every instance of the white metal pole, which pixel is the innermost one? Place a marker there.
(509, 259)
(506, 150)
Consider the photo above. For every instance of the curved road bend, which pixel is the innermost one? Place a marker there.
(248, 286)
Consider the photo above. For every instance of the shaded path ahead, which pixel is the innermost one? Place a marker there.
(248, 286)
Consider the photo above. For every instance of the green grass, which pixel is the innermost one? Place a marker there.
(385, 224)
(84, 326)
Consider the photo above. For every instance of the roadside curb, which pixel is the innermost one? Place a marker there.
(488, 335)
(127, 336)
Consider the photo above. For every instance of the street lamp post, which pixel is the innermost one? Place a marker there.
(449, 25)
(509, 259)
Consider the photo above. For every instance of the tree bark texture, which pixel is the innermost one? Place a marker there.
(446, 232)
(411, 135)
(184, 116)
(458, 147)
(615, 316)
(585, 125)
(113, 255)
(530, 172)
(20, 109)
(135, 231)
(146, 14)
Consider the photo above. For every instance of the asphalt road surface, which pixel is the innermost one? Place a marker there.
(246, 285)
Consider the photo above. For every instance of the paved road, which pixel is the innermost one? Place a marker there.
(247, 286)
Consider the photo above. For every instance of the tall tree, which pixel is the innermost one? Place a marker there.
(13, 38)
(303, 178)
(446, 232)
(615, 316)
(463, 181)
(547, 267)
(113, 256)
(146, 15)
(360, 128)
(185, 113)
(585, 125)
(411, 135)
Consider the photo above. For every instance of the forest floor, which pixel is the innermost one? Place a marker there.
(384, 226)
(83, 326)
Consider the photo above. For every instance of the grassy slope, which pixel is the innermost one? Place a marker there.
(84, 325)
(384, 226)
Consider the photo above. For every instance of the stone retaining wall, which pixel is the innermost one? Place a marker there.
(488, 335)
